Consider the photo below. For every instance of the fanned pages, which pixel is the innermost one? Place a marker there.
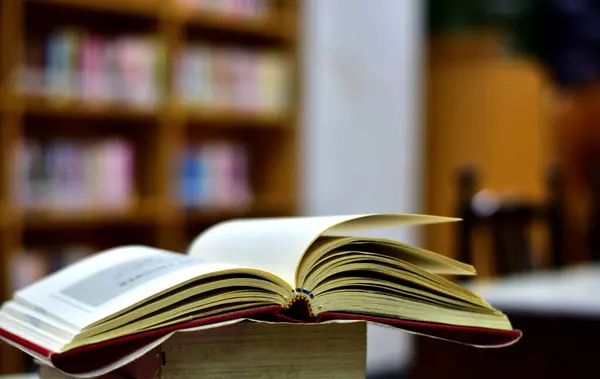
(308, 269)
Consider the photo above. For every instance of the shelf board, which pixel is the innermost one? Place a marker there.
(236, 119)
(213, 215)
(5, 218)
(271, 28)
(261, 208)
(132, 7)
(45, 108)
(2, 98)
(85, 218)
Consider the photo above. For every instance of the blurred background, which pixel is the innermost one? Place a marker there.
(146, 121)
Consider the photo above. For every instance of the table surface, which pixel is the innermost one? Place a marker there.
(571, 292)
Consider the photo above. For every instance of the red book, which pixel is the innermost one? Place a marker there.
(106, 310)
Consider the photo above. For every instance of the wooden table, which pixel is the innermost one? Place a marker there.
(559, 314)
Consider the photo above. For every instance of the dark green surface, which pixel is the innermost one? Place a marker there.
(522, 20)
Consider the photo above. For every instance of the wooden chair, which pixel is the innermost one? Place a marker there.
(508, 222)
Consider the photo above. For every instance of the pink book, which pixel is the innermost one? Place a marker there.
(117, 173)
(239, 174)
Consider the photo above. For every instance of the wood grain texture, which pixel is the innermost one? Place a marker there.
(10, 230)
(250, 350)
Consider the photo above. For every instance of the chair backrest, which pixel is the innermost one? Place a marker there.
(508, 222)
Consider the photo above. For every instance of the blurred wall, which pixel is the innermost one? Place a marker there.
(362, 147)
(492, 109)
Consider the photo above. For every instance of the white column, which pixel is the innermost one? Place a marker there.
(362, 143)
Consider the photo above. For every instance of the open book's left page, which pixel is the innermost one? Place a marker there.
(109, 282)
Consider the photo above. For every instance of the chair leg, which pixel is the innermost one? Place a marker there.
(594, 228)
(467, 179)
(555, 214)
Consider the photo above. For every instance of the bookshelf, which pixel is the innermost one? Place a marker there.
(140, 121)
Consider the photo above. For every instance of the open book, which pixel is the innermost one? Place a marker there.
(300, 269)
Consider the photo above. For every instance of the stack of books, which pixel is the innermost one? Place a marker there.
(74, 65)
(70, 175)
(215, 174)
(232, 79)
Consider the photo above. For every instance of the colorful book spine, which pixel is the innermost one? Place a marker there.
(214, 175)
(71, 65)
(188, 176)
(228, 79)
(115, 162)
(68, 175)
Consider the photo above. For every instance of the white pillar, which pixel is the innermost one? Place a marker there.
(362, 142)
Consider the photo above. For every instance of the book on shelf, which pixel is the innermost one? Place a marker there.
(71, 175)
(214, 174)
(71, 64)
(226, 78)
(104, 311)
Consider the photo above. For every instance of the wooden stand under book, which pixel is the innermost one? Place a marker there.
(252, 350)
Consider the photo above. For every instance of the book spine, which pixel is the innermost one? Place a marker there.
(77, 166)
(68, 175)
(104, 79)
(205, 67)
(235, 79)
(59, 174)
(100, 184)
(52, 46)
(73, 70)
(242, 192)
(85, 64)
(190, 173)
(203, 179)
(214, 175)
(118, 159)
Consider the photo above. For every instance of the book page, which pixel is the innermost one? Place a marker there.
(276, 245)
(109, 282)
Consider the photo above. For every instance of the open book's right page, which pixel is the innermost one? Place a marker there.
(276, 245)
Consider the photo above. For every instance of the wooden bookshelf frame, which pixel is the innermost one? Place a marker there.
(160, 212)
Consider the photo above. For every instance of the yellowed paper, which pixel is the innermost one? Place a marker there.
(276, 245)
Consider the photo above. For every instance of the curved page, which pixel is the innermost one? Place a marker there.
(276, 245)
(104, 284)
